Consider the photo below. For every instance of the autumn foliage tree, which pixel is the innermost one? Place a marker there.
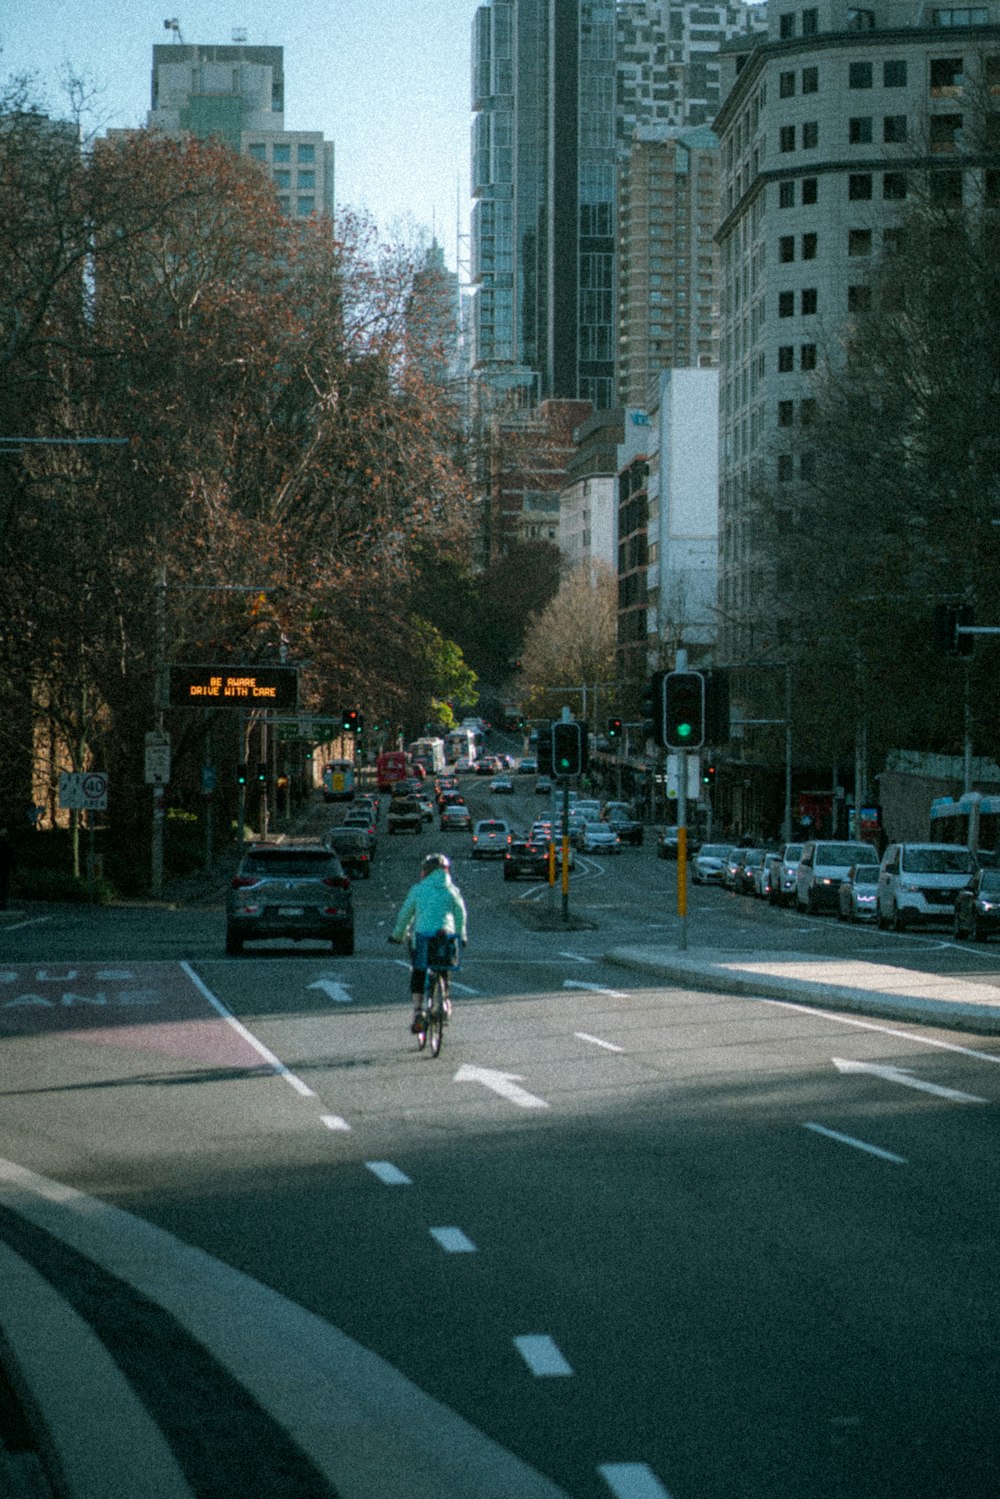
(280, 451)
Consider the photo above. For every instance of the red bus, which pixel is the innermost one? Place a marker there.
(390, 767)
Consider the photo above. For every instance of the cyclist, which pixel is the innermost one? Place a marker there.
(433, 906)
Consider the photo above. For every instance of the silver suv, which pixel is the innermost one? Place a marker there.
(919, 882)
(297, 890)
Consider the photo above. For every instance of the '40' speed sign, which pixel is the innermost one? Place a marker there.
(83, 790)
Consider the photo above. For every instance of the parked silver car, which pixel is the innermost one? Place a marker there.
(710, 864)
(782, 873)
(858, 893)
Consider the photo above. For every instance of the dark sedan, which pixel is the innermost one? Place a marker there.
(353, 848)
(526, 861)
(977, 906)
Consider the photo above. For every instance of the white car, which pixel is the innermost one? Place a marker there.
(598, 838)
(710, 863)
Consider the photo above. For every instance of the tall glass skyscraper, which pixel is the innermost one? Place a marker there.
(543, 183)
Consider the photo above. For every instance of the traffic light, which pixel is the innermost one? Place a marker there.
(569, 748)
(652, 707)
(348, 718)
(947, 618)
(708, 776)
(357, 721)
(684, 710)
(614, 728)
(262, 777)
(241, 773)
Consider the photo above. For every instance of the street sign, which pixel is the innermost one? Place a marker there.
(83, 791)
(157, 758)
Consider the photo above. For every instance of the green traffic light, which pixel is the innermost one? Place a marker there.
(684, 731)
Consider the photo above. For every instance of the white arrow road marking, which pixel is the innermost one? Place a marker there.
(388, 1174)
(453, 1241)
(905, 1076)
(594, 988)
(632, 1481)
(576, 957)
(504, 1083)
(541, 1355)
(832, 1134)
(596, 1041)
(334, 1121)
(334, 989)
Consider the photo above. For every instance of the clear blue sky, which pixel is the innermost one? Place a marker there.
(386, 80)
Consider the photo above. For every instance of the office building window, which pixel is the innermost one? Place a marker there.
(946, 74)
(786, 358)
(807, 467)
(810, 189)
(859, 298)
(786, 194)
(810, 299)
(786, 304)
(809, 244)
(894, 186)
(810, 22)
(894, 73)
(810, 80)
(305, 206)
(859, 185)
(859, 75)
(258, 150)
(786, 413)
(859, 130)
(807, 411)
(785, 467)
(859, 242)
(307, 180)
(807, 357)
(306, 153)
(786, 85)
(946, 188)
(786, 25)
(894, 129)
(810, 135)
(282, 178)
(281, 152)
(786, 138)
(893, 241)
(786, 247)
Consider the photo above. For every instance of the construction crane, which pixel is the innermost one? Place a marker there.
(175, 26)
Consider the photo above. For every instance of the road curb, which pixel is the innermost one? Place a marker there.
(726, 975)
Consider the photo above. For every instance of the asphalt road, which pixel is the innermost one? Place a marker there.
(646, 1240)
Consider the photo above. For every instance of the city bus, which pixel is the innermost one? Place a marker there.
(430, 752)
(974, 819)
(338, 781)
(390, 767)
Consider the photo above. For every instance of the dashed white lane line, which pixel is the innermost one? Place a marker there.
(595, 989)
(832, 1134)
(632, 1481)
(388, 1174)
(596, 1041)
(453, 1240)
(577, 957)
(541, 1356)
(334, 1121)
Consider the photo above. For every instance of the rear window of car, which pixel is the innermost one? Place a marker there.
(349, 838)
(840, 853)
(287, 863)
(492, 827)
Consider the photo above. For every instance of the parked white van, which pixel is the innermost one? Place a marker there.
(919, 882)
(822, 868)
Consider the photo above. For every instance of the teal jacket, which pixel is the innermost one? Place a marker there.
(433, 904)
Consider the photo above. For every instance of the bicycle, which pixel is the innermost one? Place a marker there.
(442, 957)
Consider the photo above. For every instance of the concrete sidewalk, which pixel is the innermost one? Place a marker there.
(843, 984)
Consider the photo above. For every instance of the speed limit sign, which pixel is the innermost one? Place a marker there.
(95, 791)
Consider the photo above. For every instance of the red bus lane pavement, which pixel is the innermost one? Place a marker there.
(151, 1008)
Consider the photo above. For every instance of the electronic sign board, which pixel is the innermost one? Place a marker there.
(273, 687)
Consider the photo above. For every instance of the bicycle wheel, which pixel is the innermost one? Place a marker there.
(436, 1019)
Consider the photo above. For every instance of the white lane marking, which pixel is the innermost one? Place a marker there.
(595, 989)
(458, 988)
(388, 1174)
(453, 1241)
(334, 1121)
(885, 1030)
(333, 989)
(596, 1041)
(15, 926)
(632, 1481)
(542, 1356)
(904, 1076)
(241, 1030)
(576, 957)
(504, 1083)
(832, 1134)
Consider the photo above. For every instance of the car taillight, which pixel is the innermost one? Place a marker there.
(337, 882)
